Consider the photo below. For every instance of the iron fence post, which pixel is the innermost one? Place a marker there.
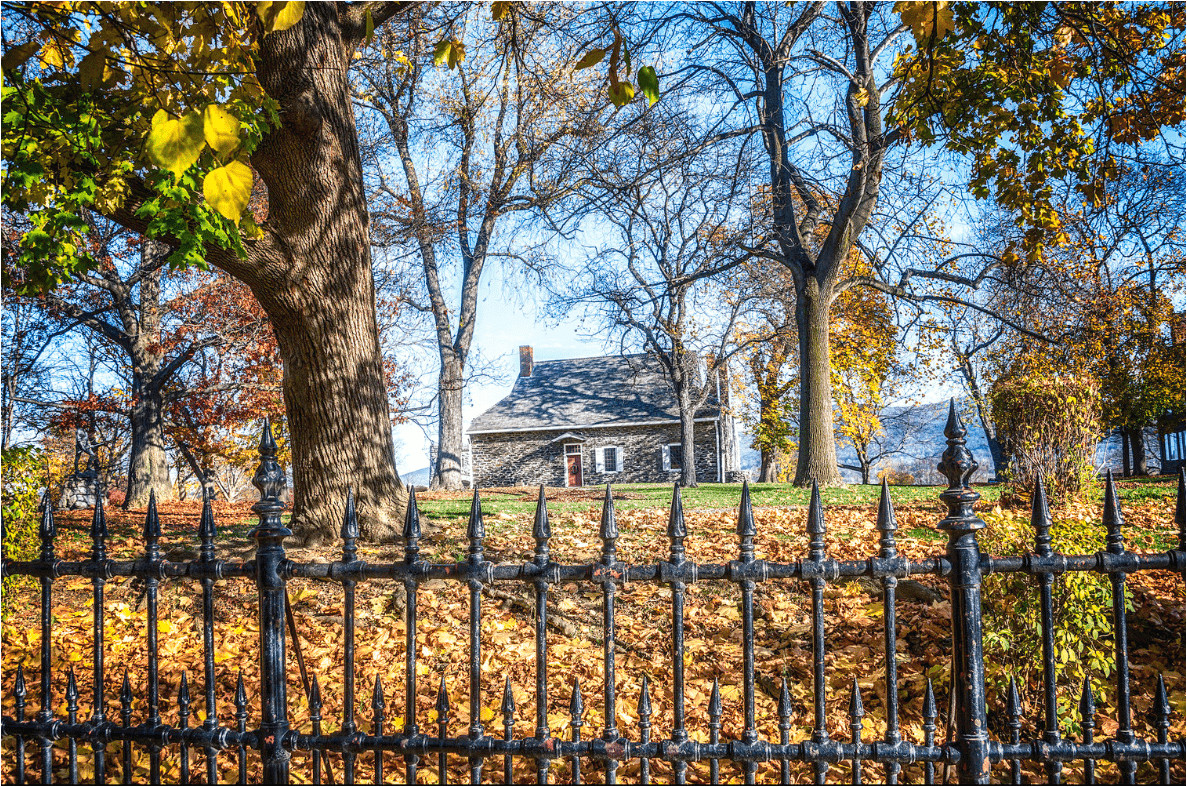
(964, 556)
(269, 536)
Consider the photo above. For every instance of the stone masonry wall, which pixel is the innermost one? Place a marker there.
(530, 458)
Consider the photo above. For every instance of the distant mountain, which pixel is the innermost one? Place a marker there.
(416, 477)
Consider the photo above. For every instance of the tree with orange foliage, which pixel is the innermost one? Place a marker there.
(120, 300)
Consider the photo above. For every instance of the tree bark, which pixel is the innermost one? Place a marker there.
(148, 463)
(312, 275)
(447, 474)
(688, 464)
(1137, 445)
(767, 471)
(817, 460)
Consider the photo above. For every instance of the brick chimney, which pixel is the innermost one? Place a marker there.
(525, 360)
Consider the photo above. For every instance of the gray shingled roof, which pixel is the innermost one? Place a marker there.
(577, 392)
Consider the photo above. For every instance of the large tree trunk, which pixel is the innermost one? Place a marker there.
(148, 464)
(817, 459)
(312, 275)
(336, 403)
(1137, 445)
(448, 472)
(767, 471)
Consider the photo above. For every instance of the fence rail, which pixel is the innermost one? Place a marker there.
(969, 748)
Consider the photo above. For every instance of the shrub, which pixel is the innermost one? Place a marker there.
(20, 503)
(1083, 607)
(1049, 426)
(896, 477)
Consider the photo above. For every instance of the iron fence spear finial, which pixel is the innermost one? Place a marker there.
(350, 529)
(714, 728)
(412, 530)
(1162, 721)
(541, 530)
(99, 532)
(856, 712)
(1040, 519)
(1113, 519)
(929, 731)
(47, 530)
(887, 525)
(815, 526)
(475, 528)
(71, 690)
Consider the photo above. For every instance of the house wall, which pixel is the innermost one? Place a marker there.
(530, 458)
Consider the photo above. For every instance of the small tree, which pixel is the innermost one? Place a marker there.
(1049, 426)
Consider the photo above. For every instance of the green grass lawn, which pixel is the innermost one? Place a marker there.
(726, 496)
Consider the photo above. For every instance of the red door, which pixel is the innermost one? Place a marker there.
(573, 465)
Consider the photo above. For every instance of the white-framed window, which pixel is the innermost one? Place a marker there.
(608, 459)
(572, 449)
(673, 456)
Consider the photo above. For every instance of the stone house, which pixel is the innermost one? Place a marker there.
(591, 421)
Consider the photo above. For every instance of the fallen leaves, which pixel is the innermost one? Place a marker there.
(713, 646)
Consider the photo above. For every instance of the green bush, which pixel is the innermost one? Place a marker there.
(1083, 607)
(1049, 426)
(20, 504)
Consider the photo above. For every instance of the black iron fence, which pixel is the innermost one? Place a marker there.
(964, 744)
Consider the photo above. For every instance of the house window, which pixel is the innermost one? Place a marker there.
(609, 459)
(572, 449)
(673, 457)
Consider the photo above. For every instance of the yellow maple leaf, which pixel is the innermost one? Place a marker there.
(926, 19)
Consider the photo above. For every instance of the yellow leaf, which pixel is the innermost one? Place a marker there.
(590, 59)
(457, 54)
(441, 52)
(621, 93)
(165, 626)
(432, 716)
(499, 10)
(278, 16)
(51, 55)
(221, 129)
(487, 714)
(174, 144)
(228, 189)
(926, 19)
